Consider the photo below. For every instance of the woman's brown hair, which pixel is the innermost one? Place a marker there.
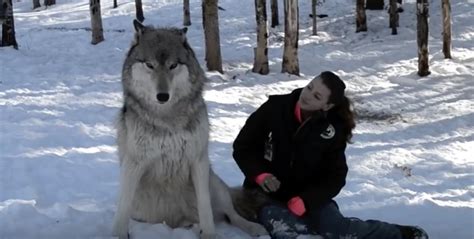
(342, 104)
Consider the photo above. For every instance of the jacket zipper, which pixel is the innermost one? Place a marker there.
(301, 126)
(294, 137)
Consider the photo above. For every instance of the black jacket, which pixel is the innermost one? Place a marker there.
(307, 158)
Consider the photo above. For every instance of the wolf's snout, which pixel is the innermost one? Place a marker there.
(162, 97)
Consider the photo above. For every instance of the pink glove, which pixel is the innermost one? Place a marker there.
(268, 182)
(261, 178)
(296, 206)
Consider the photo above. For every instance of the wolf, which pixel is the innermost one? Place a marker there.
(163, 137)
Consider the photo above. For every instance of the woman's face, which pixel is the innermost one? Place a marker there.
(315, 96)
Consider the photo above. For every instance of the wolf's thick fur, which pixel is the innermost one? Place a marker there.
(163, 132)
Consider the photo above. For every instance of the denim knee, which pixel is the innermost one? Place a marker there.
(281, 223)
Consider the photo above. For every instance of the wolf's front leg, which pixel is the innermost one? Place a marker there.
(130, 174)
(200, 177)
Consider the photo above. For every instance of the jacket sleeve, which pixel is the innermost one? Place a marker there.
(249, 144)
(321, 192)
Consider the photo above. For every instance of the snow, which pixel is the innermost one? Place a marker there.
(410, 163)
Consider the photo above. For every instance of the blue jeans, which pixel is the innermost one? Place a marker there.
(327, 222)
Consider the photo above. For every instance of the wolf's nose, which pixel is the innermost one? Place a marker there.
(163, 97)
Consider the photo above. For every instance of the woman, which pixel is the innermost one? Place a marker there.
(292, 149)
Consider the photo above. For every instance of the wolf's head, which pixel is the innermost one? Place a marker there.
(161, 68)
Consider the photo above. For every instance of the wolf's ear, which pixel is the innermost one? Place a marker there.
(183, 32)
(139, 28)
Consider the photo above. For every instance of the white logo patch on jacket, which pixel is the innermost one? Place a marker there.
(268, 151)
(329, 132)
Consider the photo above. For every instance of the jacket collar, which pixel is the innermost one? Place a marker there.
(298, 112)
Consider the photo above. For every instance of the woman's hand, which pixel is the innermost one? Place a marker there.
(296, 206)
(268, 182)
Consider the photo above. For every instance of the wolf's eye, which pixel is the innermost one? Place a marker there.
(173, 66)
(149, 65)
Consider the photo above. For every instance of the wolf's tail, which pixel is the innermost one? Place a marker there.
(248, 202)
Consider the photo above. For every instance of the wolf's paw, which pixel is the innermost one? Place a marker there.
(255, 230)
(125, 236)
(120, 232)
(205, 235)
(122, 235)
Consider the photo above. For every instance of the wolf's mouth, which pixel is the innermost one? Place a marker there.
(162, 97)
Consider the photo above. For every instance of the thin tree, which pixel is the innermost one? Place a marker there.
(139, 9)
(446, 5)
(313, 12)
(211, 34)
(361, 19)
(290, 51)
(36, 4)
(422, 37)
(393, 10)
(260, 64)
(8, 26)
(96, 22)
(115, 4)
(49, 2)
(186, 13)
(274, 7)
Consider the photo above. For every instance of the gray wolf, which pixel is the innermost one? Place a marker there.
(163, 137)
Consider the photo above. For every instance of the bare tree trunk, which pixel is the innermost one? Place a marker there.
(361, 19)
(446, 28)
(96, 22)
(139, 9)
(211, 34)
(260, 64)
(36, 4)
(186, 13)
(49, 2)
(204, 23)
(8, 26)
(422, 37)
(274, 7)
(313, 11)
(393, 16)
(290, 52)
(115, 4)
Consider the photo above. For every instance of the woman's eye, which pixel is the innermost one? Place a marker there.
(149, 65)
(173, 66)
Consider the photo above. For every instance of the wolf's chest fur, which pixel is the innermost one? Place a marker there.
(168, 151)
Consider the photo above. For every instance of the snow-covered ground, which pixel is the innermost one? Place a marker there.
(412, 157)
